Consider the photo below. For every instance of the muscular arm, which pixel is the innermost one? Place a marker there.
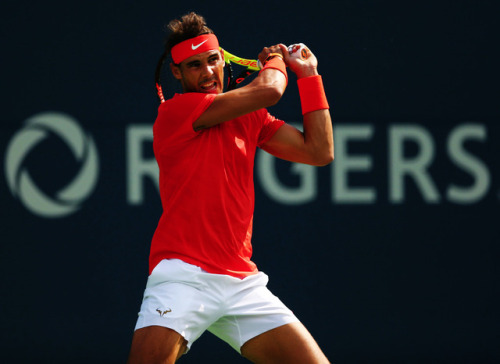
(314, 145)
(264, 91)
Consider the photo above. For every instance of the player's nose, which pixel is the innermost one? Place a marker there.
(207, 70)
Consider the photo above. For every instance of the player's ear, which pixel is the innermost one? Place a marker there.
(176, 71)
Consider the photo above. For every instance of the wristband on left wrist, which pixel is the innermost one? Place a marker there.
(312, 94)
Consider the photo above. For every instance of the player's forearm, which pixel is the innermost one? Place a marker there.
(265, 91)
(272, 81)
(318, 137)
(273, 74)
(318, 133)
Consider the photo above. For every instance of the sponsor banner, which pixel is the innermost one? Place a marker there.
(397, 163)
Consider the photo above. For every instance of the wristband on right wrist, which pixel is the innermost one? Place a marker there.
(276, 62)
(271, 56)
(312, 94)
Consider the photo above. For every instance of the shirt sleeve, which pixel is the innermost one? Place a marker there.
(269, 128)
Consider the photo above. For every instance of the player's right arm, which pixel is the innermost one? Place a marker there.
(264, 91)
(313, 145)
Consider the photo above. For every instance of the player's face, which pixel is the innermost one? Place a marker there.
(203, 72)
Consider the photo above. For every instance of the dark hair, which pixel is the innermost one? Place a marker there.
(189, 26)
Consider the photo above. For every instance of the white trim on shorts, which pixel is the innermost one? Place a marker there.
(188, 300)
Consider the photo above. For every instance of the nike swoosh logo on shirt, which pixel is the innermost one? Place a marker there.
(194, 47)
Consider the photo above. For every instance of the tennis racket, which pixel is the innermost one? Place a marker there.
(249, 66)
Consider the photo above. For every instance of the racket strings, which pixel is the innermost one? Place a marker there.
(236, 81)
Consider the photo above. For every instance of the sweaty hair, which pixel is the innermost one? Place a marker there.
(189, 26)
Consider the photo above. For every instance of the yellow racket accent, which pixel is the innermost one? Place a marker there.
(251, 64)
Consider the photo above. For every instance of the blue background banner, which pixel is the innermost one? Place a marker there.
(389, 255)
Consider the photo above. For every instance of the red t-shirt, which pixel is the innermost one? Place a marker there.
(206, 185)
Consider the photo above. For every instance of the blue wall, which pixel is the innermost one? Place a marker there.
(388, 256)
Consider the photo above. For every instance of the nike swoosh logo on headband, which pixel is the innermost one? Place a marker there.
(194, 47)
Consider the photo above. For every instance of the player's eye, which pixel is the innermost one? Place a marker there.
(213, 59)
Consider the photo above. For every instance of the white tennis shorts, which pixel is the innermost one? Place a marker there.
(188, 300)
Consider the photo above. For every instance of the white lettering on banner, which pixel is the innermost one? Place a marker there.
(266, 173)
(139, 168)
(468, 163)
(401, 169)
(344, 163)
(416, 167)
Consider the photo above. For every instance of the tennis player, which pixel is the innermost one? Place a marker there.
(201, 273)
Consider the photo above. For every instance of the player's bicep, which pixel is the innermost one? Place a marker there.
(287, 143)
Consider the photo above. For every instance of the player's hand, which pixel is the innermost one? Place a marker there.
(276, 49)
(300, 59)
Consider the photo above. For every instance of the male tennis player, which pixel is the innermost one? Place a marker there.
(201, 275)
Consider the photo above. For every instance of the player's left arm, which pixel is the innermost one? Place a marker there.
(314, 145)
